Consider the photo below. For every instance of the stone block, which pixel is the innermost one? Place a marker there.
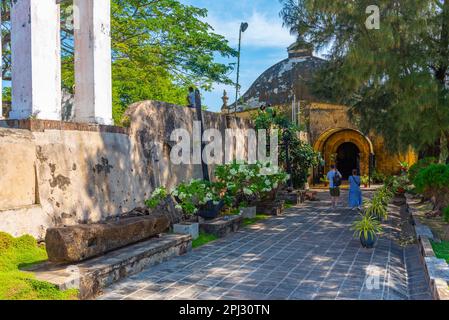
(293, 197)
(272, 208)
(222, 226)
(80, 242)
(187, 228)
(248, 213)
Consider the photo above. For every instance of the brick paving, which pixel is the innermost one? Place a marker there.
(307, 254)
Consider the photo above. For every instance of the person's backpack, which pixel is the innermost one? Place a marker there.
(337, 179)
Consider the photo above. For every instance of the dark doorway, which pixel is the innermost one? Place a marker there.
(348, 158)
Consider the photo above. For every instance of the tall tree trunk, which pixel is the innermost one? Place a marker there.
(444, 148)
(441, 74)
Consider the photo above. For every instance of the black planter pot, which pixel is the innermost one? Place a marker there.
(369, 242)
(210, 210)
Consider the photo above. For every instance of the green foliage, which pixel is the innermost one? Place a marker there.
(302, 156)
(376, 208)
(446, 214)
(398, 184)
(195, 194)
(441, 250)
(421, 164)
(6, 95)
(364, 180)
(435, 176)
(156, 197)
(378, 177)
(395, 78)
(366, 226)
(247, 182)
(19, 285)
(237, 184)
(203, 239)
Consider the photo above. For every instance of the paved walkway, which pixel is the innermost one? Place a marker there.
(308, 253)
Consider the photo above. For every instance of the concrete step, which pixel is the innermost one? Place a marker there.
(92, 275)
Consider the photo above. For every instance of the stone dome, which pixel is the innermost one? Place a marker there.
(282, 82)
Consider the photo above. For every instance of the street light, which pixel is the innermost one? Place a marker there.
(243, 28)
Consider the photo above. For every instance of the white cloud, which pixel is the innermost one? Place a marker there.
(264, 31)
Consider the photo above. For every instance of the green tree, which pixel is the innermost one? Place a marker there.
(159, 47)
(395, 78)
(301, 155)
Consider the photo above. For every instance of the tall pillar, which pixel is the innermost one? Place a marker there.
(36, 82)
(93, 83)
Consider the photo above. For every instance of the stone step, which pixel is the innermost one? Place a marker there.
(91, 276)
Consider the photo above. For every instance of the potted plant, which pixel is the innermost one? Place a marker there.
(199, 197)
(404, 166)
(366, 228)
(365, 181)
(324, 181)
(238, 181)
(376, 208)
(183, 227)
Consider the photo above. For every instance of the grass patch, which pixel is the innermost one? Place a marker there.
(203, 239)
(250, 221)
(21, 252)
(441, 250)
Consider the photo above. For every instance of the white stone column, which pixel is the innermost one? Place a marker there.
(36, 82)
(93, 83)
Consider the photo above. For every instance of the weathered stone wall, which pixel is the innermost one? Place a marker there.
(54, 176)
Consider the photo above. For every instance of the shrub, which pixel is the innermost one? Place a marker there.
(378, 177)
(421, 164)
(364, 180)
(433, 182)
(446, 214)
(433, 176)
(302, 158)
(156, 197)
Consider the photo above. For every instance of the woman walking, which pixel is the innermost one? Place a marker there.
(355, 194)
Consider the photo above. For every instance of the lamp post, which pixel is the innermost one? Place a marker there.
(243, 27)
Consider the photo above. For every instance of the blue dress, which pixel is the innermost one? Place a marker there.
(355, 194)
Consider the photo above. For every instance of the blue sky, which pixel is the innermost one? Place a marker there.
(264, 43)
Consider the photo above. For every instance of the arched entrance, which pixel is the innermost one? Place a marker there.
(348, 159)
(346, 148)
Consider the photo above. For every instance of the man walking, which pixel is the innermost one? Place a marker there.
(334, 177)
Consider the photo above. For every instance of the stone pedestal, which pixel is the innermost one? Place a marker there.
(270, 207)
(292, 197)
(221, 227)
(248, 213)
(187, 228)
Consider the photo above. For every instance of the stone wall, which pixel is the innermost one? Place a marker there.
(58, 173)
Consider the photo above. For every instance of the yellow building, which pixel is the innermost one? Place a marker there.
(329, 129)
